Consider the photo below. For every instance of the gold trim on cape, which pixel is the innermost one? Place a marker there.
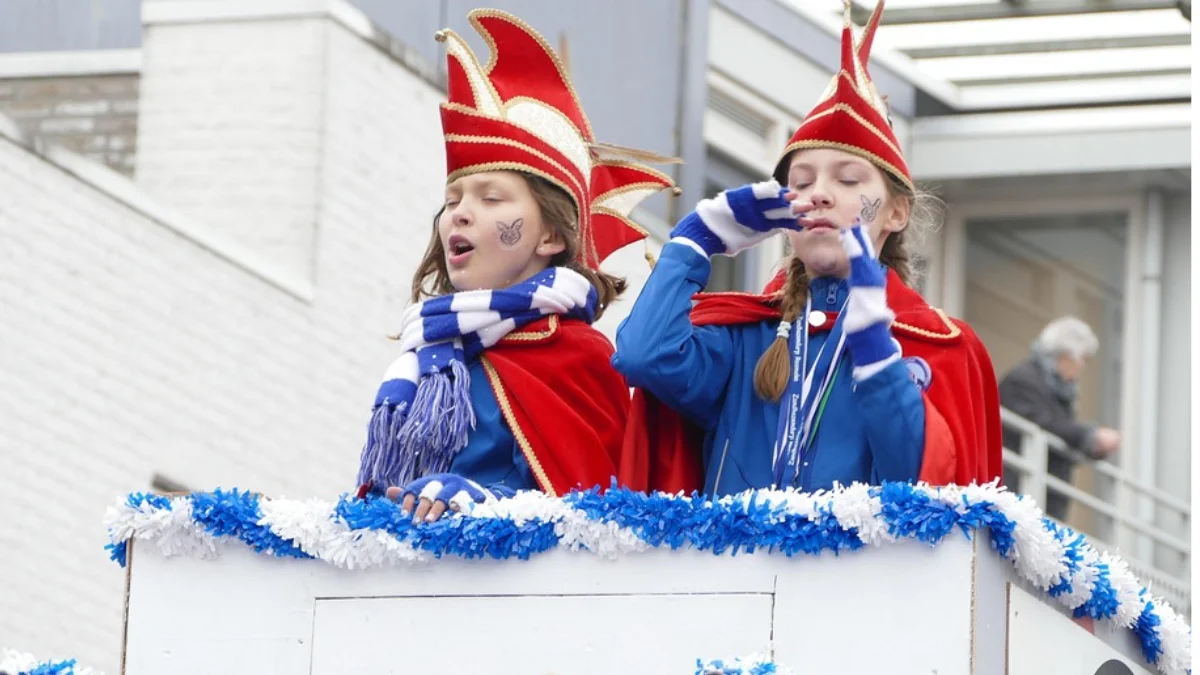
(509, 416)
(533, 336)
(955, 331)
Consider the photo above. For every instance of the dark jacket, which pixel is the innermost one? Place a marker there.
(1031, 391)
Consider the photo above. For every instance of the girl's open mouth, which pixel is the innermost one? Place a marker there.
(458, 250)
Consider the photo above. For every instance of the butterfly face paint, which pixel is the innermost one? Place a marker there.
(870, 209)
(510, 233)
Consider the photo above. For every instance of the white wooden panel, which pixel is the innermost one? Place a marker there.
(580, 635)
(1041, 640)
(243, 613)
(921, 610)
(248, 613)
(553, 572)
(914, 611)
(992, 576)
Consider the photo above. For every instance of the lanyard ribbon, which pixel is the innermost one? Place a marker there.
(801, 406)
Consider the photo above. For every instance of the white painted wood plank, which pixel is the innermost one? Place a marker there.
(579, 635)
(242, 614)
(1041, 640)
(905, 609)
(920, 609)
(992, 575)
(557, 572)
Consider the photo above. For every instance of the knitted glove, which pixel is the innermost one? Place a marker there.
(867, 317)
(456, 491)
(737, 219)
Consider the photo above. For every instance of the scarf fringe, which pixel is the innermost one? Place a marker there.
(382, 462)
(441, 418)
(408, 441)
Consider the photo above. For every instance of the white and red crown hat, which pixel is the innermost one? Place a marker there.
(520, 112)
(850, 115)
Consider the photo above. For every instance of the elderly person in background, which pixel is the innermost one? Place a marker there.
(1044, 389)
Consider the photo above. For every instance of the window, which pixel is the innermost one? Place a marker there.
(1024, 272)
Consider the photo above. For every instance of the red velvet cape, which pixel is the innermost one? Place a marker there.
(562, 400)
(662, 450)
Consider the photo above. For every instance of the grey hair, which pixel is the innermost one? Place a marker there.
(1068, 336)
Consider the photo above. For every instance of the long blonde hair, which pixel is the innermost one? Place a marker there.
(771, 373)
(558, 210)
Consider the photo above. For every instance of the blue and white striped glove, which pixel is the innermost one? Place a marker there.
(867, 318)
(455, 491)
(737, 219)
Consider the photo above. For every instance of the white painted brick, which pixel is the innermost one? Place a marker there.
(81, 108)
(129, 107)
(229, 129)
(67, 125)
(129, 350)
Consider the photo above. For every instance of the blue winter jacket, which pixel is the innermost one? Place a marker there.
(869, 432)
(492, 457)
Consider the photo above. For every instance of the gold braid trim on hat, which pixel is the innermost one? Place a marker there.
(639, 167)
(511, 166)
(576, 135)
(856, 115)
(854, 150)
(443, 36)
(625, 219)
(474, 17)
(632, 187)
(844, 107)
(500, 140)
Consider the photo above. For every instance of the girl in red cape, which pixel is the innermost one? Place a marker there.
(502, 384)
(838, 372)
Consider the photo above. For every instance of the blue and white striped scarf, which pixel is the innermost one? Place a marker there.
(423, 410)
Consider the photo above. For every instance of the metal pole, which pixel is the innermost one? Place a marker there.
(1146, 444)
(1035, 450)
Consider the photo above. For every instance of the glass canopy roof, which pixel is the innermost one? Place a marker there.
(1028, 54)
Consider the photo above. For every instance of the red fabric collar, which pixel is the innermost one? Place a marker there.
(914, 317)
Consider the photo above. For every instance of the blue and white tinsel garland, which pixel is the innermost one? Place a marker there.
(751, 665)
(13, 662)
(353, 534)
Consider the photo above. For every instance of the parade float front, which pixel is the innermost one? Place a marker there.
(896, 579)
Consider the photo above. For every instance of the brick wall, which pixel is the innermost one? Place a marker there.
(95, 116)
(232, 136)
(129, 348)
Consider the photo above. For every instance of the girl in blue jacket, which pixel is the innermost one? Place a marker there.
(811, 384)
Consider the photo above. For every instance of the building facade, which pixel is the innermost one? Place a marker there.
(211, 212)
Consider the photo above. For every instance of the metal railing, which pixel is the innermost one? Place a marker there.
(1116, 510)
